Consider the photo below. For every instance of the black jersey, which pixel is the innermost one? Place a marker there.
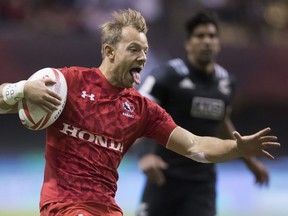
(196, 101)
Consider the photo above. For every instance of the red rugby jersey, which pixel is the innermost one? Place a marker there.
(85, 146)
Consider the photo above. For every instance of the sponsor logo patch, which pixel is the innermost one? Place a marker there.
(207, 108)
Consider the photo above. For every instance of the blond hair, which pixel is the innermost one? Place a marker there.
(111, 30)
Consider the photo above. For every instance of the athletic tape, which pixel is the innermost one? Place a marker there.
(13, 92)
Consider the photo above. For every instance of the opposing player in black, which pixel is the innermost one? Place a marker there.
(197, 93)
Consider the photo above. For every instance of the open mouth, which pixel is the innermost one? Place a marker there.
(135, 73)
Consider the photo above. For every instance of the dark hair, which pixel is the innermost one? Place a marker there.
(200, 18)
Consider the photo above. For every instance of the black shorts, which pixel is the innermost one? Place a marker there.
(178, 198)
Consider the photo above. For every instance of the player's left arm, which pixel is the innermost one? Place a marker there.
(211, 149)
(160, 126)
(259, 170)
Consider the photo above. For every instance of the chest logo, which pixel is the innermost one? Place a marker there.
(90, 96)
(187, 84)
(128, 109)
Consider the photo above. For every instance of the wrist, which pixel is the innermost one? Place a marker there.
(13, 92)
(239, 152)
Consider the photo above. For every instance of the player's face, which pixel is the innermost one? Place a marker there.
(203, 45)
(130, 57)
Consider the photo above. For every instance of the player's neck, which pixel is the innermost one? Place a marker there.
(107, 73)
(206, 68)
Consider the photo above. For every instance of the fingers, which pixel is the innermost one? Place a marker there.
(49, 81)
(269, 141)
(271, 144)
(159, 177)
(262, 132)
(237, 135)
(49, 106)
(255, 144)
(163, 165)
(50, 103)
(53, 98)
(267, 155)
(262, 177)
(153, 166)
(264, 139)
(47, 109)
(156, 176)
(262, 180)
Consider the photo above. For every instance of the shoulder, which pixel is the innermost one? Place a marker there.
(223, 74)
(178, 66)
(74, 72)
(170, 71)
(174, 66)
(144, 100)
(74, 69)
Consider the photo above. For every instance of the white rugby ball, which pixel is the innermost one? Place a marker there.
(34, 117)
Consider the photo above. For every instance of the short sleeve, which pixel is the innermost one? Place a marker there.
(159, 124)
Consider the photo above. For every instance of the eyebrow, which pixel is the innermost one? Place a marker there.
(138, 44)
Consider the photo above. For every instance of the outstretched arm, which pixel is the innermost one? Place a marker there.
(35, 91)
(211, 149)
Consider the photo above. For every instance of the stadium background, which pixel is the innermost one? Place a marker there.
(55, 33)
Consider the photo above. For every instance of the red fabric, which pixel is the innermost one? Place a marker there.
(83, 209)
(86, 144)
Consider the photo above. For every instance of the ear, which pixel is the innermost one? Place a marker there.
(108, 51)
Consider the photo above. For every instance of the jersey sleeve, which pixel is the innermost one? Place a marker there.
(159, 124)
(69, 74)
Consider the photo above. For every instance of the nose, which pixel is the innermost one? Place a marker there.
(207, 39)
(142, 58)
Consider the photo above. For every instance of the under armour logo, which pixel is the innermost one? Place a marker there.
(91, 96)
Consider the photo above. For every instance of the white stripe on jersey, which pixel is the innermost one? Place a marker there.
(220, 72)
(147, 87)
(224, 82)
(179, 66)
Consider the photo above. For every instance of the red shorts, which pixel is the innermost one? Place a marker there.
(79, 209)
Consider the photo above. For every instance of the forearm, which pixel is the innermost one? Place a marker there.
(249, 160)
(212, 149)
(216, 150)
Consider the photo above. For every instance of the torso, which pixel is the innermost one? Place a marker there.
(196, 102)
(87, 143)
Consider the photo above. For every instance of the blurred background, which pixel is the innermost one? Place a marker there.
(54, 33)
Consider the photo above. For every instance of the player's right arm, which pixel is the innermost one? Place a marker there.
(35, 91)
(4, 107)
